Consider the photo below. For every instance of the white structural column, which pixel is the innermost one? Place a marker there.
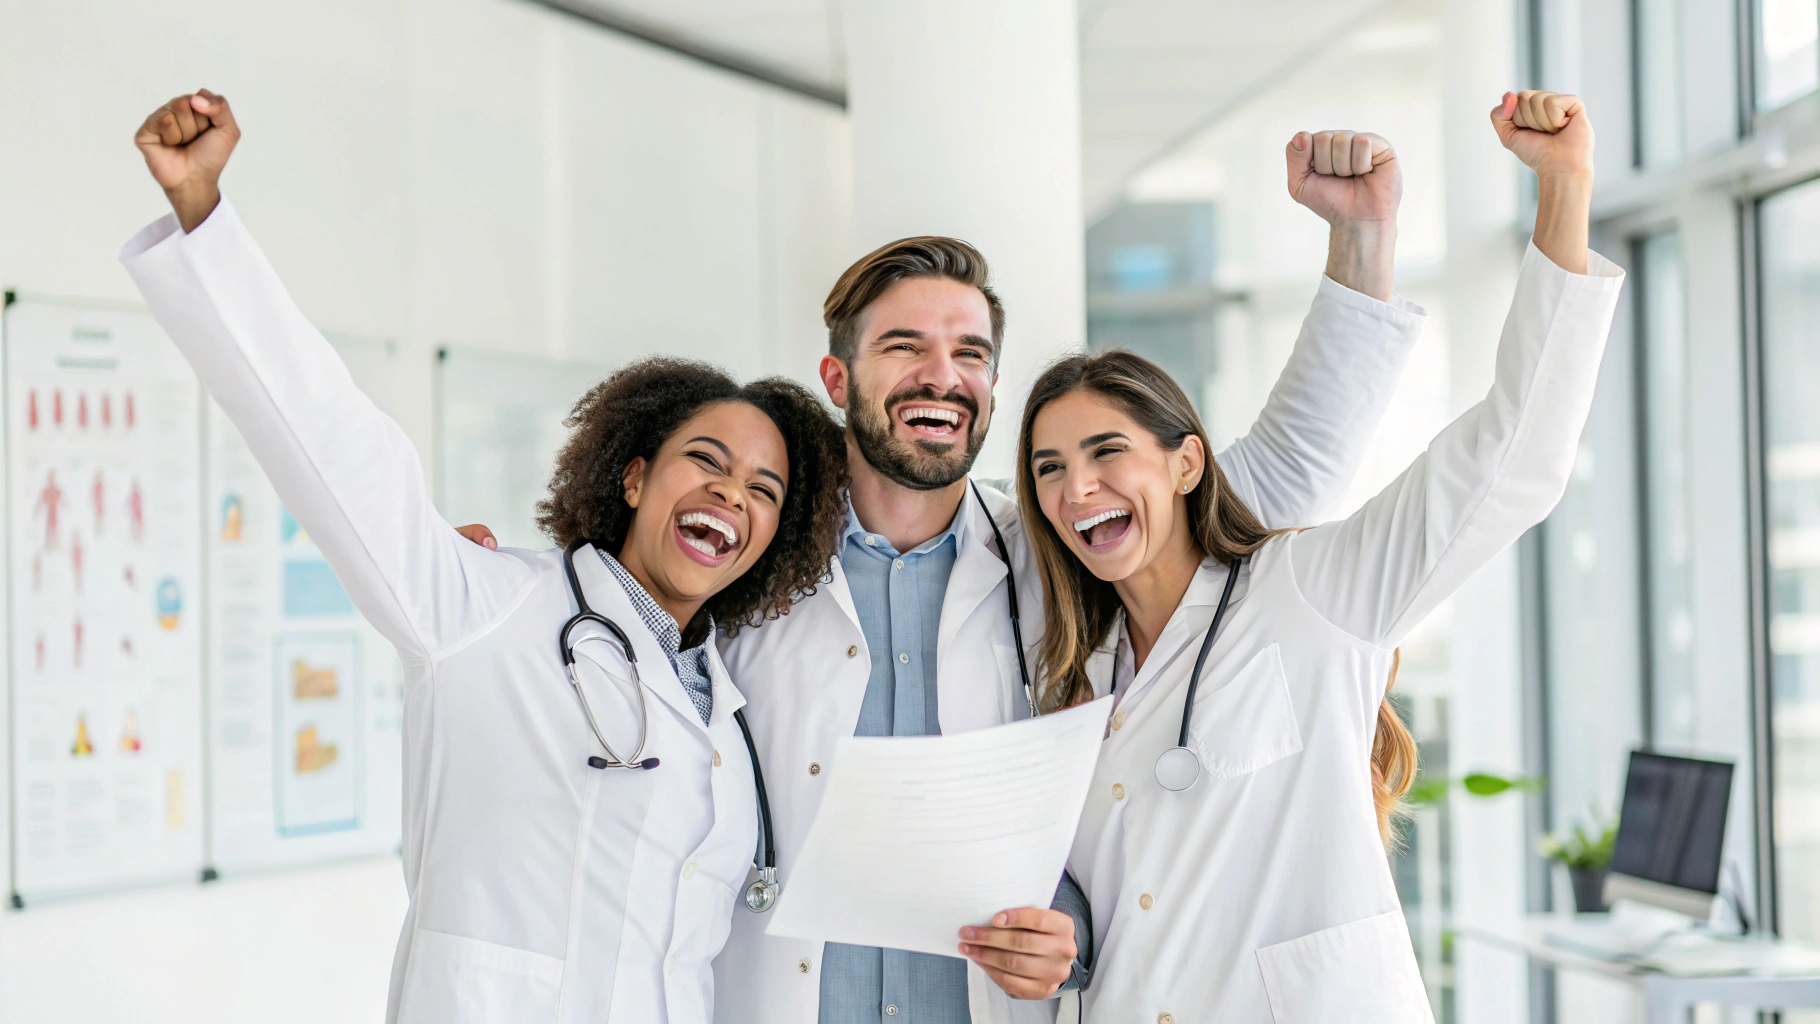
(966, 122)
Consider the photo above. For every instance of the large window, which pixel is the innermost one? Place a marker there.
(1788, 59)
(1656, 41)
(1789, 225)
(1665, 408)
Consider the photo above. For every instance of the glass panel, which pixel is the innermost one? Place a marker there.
(1788, 62)
(1790, 225)
(1658, 28)
(1662, 354)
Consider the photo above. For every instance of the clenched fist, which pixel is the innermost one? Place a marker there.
(1345, 176)
(186, 144)
(1547, 131)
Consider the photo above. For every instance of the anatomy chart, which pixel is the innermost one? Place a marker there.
(105, 556)
(305, 699)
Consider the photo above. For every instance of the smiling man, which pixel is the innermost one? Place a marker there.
(913, 634)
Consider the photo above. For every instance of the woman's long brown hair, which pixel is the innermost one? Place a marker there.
(1080, 608)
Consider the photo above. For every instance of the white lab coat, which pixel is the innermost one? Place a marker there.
(1263, 893)
(806, 673)
(541, 890)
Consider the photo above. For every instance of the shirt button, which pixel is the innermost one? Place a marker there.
(814, 769)
(802, 966)
(688, 871)
(1118, 791)
(1118, 721)
(891, 1011)
(872, 542)
(1146, 901)
(717, 759)
(853, 651)
(904, 658)
(899, 564)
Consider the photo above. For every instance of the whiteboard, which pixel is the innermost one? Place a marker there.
(498, 425)
(305, 699)
(104, 577)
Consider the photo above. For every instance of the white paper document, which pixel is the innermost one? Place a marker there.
(919, 836)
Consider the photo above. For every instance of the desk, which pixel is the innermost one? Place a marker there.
(1667, 998)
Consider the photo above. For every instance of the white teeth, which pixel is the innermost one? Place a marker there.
(1092, 521)
(701, 545)
(711, 522)
(948, 416)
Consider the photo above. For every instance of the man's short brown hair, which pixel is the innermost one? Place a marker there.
(878, 270)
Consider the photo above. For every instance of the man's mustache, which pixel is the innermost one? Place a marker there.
(929, 394)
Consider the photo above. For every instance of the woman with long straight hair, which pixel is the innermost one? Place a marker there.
(1233, 844)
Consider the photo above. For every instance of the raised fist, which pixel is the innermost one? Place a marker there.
(1548, 131)
(186, 144)
(1345, 176)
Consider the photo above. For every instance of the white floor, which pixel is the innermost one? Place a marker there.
(302, 947)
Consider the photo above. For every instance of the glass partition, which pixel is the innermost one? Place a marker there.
(1790, 254)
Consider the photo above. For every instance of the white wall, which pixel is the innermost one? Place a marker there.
(429, 172)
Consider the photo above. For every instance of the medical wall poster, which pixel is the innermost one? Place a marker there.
(305, 699)
(105, 576)
(498, 425)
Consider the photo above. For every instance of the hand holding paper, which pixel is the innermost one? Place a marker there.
(919, 837)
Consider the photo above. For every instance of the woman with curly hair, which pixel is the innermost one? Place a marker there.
(579, 803)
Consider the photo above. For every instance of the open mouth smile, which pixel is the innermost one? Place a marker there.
(1101, 531)
(706, 536)
(931, 421)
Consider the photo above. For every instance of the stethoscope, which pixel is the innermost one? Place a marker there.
(1179, 767)
(761, 895)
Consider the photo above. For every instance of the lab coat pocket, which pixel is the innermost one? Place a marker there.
(1362, 973)
(1249, 722)
(452, 979)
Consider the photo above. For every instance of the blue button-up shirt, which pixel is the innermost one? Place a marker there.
(898, 597)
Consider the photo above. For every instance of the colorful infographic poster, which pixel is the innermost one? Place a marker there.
(104, 550)
(305, 699)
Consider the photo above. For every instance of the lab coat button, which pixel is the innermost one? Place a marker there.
(717, 759)
(1165, 1018)
(814, 768)
(802, 966)
(1118, 721)
(853, 650)
(1118, 791)
(688, 871)
(1147, 901)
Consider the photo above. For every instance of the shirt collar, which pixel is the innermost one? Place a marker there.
(661, 623)
(957, 528)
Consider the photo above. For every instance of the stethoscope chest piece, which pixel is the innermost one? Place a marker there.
(761, 895)
(1177, 769)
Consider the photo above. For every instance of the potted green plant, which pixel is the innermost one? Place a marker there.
(1588, 859)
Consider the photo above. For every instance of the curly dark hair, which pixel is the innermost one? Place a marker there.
(633, 412)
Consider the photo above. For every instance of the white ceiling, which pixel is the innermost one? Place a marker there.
(1153, 72)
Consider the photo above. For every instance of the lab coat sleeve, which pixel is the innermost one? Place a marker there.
(1485, 479)
(1294, 465)
(343, 469)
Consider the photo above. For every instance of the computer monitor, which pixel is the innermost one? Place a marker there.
(1670, 833)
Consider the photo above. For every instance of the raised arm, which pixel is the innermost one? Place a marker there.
(1501, 467)
(1297, 460)
(343, 468)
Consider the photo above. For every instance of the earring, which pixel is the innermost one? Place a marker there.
(1185, 488)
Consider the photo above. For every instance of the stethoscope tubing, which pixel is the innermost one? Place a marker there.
(763, 893)
(1194, 680)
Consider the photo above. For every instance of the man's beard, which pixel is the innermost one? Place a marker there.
(919, 464)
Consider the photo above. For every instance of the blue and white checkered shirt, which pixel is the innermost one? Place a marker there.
(691, 665)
